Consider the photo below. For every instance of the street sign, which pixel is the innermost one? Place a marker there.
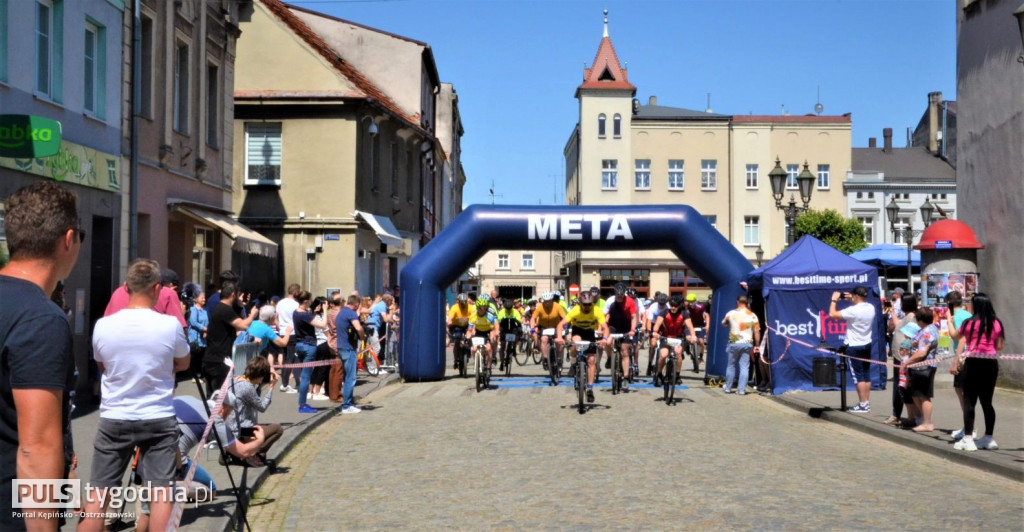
(28, 136)
(330, 236)
(574, 289)
(943, 244)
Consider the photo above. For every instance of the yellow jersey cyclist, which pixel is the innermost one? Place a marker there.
(458, 322)
(547, 315)
(588, 324)
(510, 321)
(484, 325)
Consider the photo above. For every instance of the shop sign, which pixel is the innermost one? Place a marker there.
(73, 163)
(28, 136)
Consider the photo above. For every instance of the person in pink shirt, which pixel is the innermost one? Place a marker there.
(983, 335)
(168, 302)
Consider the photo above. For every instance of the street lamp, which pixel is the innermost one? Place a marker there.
(759, 254)
(805, 180)
(892, 211)
(1019, 13)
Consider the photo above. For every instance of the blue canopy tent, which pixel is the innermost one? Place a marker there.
(887, 255)
(797, 287)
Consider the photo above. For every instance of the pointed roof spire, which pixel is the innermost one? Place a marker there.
(606, 72)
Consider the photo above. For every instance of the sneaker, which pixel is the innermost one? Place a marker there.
(351, 410)
(742, 392)
(544, 362)
(960, 434)
(590, 396)
(625, 385)
(861, 408)
(965, 444)
(289, 389)
(285, 388)
(730, 390)
(306, 409)
(321, 397)
(986, 442)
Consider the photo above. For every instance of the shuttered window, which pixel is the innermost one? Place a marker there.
(263, 153)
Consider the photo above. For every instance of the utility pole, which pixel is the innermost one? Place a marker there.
(492, 194)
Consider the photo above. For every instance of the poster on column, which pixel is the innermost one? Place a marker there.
(385, 270)
(803, 316)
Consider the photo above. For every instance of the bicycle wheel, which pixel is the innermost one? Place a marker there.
(463, 360)
(694, 350)
(581, 385)
(554, 366)
(510, 352)
(535, 351)
(523, 353)
(616, 371)
(478, 363)
(670, 379)
(372, 364)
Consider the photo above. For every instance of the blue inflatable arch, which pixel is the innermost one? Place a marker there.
(678, 228)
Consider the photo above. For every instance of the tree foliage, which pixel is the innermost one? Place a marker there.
(832, 228)
(3, 254)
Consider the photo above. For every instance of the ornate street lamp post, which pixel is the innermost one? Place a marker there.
(892, 211)
(759, 254)
(805, 181)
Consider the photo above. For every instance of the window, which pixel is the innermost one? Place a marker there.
(871, 195)
(212, 105)
(617, 126)
(860, 195)
(146, 69)
(901, 196)
(751, 230)
(263, 153)
(600, 125)
(938, 196)
(711, 219)
(901, 224)
(609, 174)
(751, 176)
(181, 86)
(709, 174)
(675, 174)
(89, 72)
(823, 176)
(202, 257)
(503, 261)
(527, 261)
(868, 223)
(680, 281)
(48, 30)
(792, 170)
(642, 174)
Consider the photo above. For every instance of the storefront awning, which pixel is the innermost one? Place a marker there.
(245, 240)
(386, 231)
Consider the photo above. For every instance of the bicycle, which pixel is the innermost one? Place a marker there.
(524, 348)
(696, 352)
(616, 363)
(671, 371)
(366, 359)
(580, 383)
(483, 374)
(508, 352)
(460, 349)
(554, 357)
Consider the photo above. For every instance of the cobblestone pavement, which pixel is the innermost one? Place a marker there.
(440, 455)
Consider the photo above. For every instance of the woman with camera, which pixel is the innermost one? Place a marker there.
(306, 321)
(248, 403)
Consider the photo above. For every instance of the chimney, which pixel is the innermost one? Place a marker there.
(653, 100)
(934, 98)
(872, 142)
(887, 140)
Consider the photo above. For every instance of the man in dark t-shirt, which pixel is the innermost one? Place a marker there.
(349, 333)
(220, 336)
(37, 364)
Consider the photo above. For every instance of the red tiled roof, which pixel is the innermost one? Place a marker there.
(606, 58)
(364, 85)
(812, 119)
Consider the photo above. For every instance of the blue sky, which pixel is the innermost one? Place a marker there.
(516, 65)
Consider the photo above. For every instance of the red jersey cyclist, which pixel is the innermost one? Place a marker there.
(588, 324)
(672, 323)
(621, 316)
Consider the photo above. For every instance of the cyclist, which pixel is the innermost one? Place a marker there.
(672, 323)
(484, 325)
(598, 300)
(547, 315)
(621, 312)
(509, 321)
(588, 324)
(700, 319)
(653, 311)
(458, 320)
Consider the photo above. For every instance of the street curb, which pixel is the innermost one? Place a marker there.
(308, 427)
(979, 460)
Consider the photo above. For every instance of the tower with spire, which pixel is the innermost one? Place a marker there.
(605, 110)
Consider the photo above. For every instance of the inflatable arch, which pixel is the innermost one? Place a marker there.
(678, 228)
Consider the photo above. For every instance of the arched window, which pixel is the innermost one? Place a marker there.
(600, 125)
(617, 126)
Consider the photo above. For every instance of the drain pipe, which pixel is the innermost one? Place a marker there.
(133, 194)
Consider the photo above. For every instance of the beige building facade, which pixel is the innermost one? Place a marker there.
(517, 273)
(622, 152)
(343, 175)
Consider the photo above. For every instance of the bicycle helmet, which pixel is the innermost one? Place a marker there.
(677, 301)
(620, 289)
(587, 298)
(662, 298)
(462, 298)
(508, 303)
(691, 297)
(631, 293)
(547, 296)
(483, 302)
(594, 290)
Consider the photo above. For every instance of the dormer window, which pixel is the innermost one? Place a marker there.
(601, 120)
(606, 75)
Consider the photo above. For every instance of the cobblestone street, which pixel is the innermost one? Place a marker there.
(441, 456)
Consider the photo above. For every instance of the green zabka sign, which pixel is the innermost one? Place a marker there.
(28, 136)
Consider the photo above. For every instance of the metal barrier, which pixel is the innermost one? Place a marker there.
(241, 354)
